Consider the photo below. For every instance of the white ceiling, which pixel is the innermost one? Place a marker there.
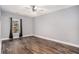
(27, 11)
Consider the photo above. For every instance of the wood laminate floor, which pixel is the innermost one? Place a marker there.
(34, 45)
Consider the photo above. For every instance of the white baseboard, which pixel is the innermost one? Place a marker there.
(27, 35)
(63, 42)
(17, 36)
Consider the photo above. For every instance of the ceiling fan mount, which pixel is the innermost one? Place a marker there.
(34, 8)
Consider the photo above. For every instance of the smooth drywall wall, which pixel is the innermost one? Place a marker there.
(0, 30)
(5, 26)
(0, 23)
(61, 25)
(0, 11)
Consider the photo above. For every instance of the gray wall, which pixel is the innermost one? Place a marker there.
(62, 25)
(0, 11)
(5, 26)
(0, 23)
(0, 30)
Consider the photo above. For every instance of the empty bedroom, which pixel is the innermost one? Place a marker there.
(39, 29)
